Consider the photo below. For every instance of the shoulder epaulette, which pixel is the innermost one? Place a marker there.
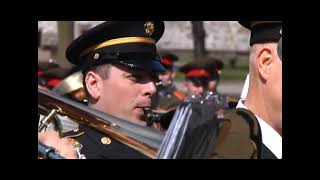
(179, 95)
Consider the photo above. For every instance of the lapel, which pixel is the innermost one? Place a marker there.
(266, 153)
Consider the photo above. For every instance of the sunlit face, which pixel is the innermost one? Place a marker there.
(166, 77)
(274, 86)
(126, 92)
(192, 89)
(213, 84)
(78, 94)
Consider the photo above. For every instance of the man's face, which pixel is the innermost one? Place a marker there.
(166, 77)
(78, 94)
(192, 89)
(126, 92)
(275, 86)
(213, 84)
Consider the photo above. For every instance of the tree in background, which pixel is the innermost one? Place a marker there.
(199, 35)
(65, 36)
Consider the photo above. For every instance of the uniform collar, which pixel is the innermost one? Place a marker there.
(270, 138)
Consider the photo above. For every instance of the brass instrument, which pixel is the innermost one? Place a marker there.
(70, 84)
(72, 87)
(143, 139)
(50, 118)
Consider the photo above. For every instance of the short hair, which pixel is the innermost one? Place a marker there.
(103, 71)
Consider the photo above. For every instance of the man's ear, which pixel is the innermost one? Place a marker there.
(264, 62)
(93, 83)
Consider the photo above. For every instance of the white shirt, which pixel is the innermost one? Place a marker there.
(245, 88)
(270, 137)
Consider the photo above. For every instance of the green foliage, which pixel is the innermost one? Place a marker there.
(228, 73)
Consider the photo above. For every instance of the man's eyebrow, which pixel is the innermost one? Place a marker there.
(132, 73)
(126, 74)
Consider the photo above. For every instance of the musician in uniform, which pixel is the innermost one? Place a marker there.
(255, 126)
(264, 98)
(119, 63)
(169, 96)
(197, 76)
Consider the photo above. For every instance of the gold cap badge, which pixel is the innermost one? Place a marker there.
(149, 28)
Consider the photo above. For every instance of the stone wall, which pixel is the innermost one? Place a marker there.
(220, 35)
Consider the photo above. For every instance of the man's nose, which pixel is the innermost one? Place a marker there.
(200, 89)
(150, 88)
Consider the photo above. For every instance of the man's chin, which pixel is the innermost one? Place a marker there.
(165, 84)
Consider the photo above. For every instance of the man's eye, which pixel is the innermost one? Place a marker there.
(132, 78)
(135, 78)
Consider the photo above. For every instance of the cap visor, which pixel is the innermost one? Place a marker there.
(146, 64)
